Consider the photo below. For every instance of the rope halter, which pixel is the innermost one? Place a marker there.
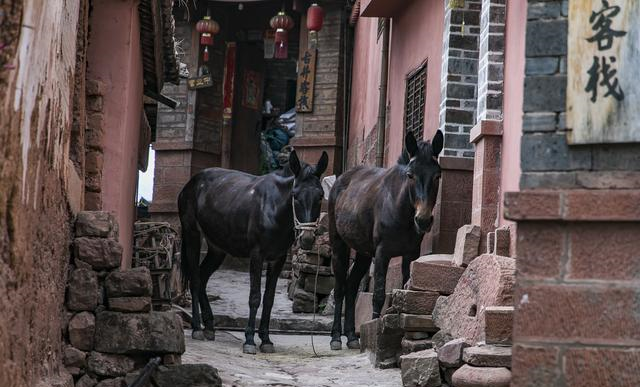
(300, 226)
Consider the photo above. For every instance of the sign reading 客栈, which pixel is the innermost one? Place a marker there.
(603, 97)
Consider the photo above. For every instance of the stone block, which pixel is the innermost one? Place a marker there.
(487, 356)
(545, 93)
(364, 309)
(502, 241)
(311, 258)
(96, 224)
(306, 268)
(95, 87)
(550, 152)
(417, 323)
(539, 122)
(546, 38)
(410, 346)
(303, 301)
(82, 328)
(130, 304)
(108, 365)
(135, 282)
(100, 253)
(441, 278)
(544, 10)
(420, 369)
(487, 281)
(200, 375)
(172, 359)
(469, 376)
(440, 338)
(381, 339)
(82, 290)
(450, 354)
(542, 65)
(394, 275)
(132, 333)
(324, 284)
(498, 325)
(414, 302)
(115, 382)
(467, 243)
(86, 381)
(73, 357)
(416, 335)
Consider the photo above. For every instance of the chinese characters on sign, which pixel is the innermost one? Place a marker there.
(603, 105)
(306, 81)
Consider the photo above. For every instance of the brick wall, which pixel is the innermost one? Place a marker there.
(491, 59)
(94, 153)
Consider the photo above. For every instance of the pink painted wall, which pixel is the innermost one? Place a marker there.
(114, 58)
(416, 36)
(513, 96)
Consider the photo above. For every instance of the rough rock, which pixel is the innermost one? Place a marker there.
(324, 285)
(100, 253)
(450, 354)
(488, 356)
(416, 335)
(498, 325)
(82, 328)
(82, 291)
(116, 382)
(96, 224)
(172, 359)
(303, 301)
(502, 240)
(420, 369)
(130, 304)
(382, 338)
(433, 276)
(487, 281)
(187, 375)
(86, 381)
(440, 338)
(409, 346)
(417, 323)
(73, 357)
(63, 379)
(108, 365)
(129, 283)
(469, 376)
(133, 333)
(467, 243)
(311, 269)
(410, 301)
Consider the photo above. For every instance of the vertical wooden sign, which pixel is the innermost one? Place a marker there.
(603, 99)
(306, 81)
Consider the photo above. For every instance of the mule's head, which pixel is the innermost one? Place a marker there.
(307, 194)
(423, 172)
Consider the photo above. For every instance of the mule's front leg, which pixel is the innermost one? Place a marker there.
(381, 264)
(273, 272)
(255, 273)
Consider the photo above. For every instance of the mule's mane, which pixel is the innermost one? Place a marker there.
(424, 148)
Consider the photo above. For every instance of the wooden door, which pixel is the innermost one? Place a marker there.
(247, 112)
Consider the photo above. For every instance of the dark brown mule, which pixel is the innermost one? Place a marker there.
(380, 213)
(245, 216)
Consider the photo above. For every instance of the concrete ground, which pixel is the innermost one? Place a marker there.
(293, 363)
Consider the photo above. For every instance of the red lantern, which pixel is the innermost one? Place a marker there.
(208, 28)
(282, 23)
(315, 17)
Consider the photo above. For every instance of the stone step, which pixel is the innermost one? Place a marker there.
(469, 376)
(498, 325)
(410, 346)
(417, 323)
(382, 338)
(420, 369)
(435, 273)
(414, 302)
(488, 356)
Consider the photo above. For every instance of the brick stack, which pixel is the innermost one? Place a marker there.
(111, 330)
(304, 264)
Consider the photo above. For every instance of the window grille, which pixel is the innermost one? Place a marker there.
(414, 101)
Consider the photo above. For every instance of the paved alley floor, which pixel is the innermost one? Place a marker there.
(293, 364)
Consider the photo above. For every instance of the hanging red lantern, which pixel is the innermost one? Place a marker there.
(315, 17)
(282, 23)
(208, 28)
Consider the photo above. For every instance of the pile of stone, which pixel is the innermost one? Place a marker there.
(472, 344)
(303, 289)
(111, 331)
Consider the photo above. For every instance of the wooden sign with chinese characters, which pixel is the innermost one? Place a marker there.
(603, 97)
(200, 82)
(306, 81)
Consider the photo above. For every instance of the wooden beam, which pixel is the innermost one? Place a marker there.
(163, 99)
(156, 14)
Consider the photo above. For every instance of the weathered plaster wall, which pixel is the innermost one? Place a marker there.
(39, 185)
(114, 58)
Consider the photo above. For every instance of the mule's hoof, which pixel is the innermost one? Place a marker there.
(197, 335)
(336, 345)
(250, 349)
(353, 344)
(210, 335)
(267, 348)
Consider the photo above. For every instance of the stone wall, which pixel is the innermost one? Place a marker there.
(94, 152)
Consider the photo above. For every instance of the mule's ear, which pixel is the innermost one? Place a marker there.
(436, 143)
(411, 144)
(294, 163)
(322, 164)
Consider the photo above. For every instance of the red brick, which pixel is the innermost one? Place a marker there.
(535, 205)
(602, 367)
(170, 158)
(94, 103)
(434, 277)
(93, 182)
(540, 247)
(94, 161)
(498, 324)
(95, 87)
(587, 314)
(92, 201)
(612, 205)
(176, 175)
(604, 251)
(535, 366)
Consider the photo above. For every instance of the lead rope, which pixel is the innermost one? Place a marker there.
(309, 226)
